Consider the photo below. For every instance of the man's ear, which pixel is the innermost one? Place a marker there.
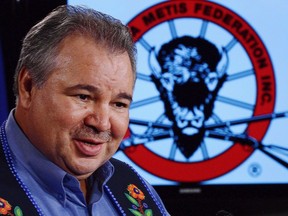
(25, 86)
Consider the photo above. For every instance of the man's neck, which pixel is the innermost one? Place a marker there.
(83, 186)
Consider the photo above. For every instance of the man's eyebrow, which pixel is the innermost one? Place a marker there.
(125, 96)
(91, 88)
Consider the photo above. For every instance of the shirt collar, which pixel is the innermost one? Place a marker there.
(43, 169)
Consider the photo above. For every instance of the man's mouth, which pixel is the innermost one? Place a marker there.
(89, 147)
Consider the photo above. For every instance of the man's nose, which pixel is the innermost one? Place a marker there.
(99, 118)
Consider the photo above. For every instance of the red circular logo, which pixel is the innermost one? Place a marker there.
(243, 34)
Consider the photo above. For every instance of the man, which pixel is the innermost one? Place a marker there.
(74, 83)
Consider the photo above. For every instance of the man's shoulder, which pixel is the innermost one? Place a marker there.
(122, 168)
(118, 164)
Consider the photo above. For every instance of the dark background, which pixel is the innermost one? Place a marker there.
(16, 19)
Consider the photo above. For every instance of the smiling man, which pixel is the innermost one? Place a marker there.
(74, 84)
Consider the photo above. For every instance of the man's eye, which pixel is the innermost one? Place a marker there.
(121, 105)
(83, 97)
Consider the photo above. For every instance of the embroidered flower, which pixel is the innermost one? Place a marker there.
(135, 192)
(136, 197)
(5, 207)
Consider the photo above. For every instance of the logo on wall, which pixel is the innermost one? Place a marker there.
(205, 91)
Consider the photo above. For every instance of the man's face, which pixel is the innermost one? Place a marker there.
(80, 115)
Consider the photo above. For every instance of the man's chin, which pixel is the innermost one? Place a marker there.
(84, 169)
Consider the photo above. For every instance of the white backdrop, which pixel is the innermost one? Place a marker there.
(269, 20)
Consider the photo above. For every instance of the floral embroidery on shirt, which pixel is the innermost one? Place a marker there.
(137, 197)
(6, 209)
